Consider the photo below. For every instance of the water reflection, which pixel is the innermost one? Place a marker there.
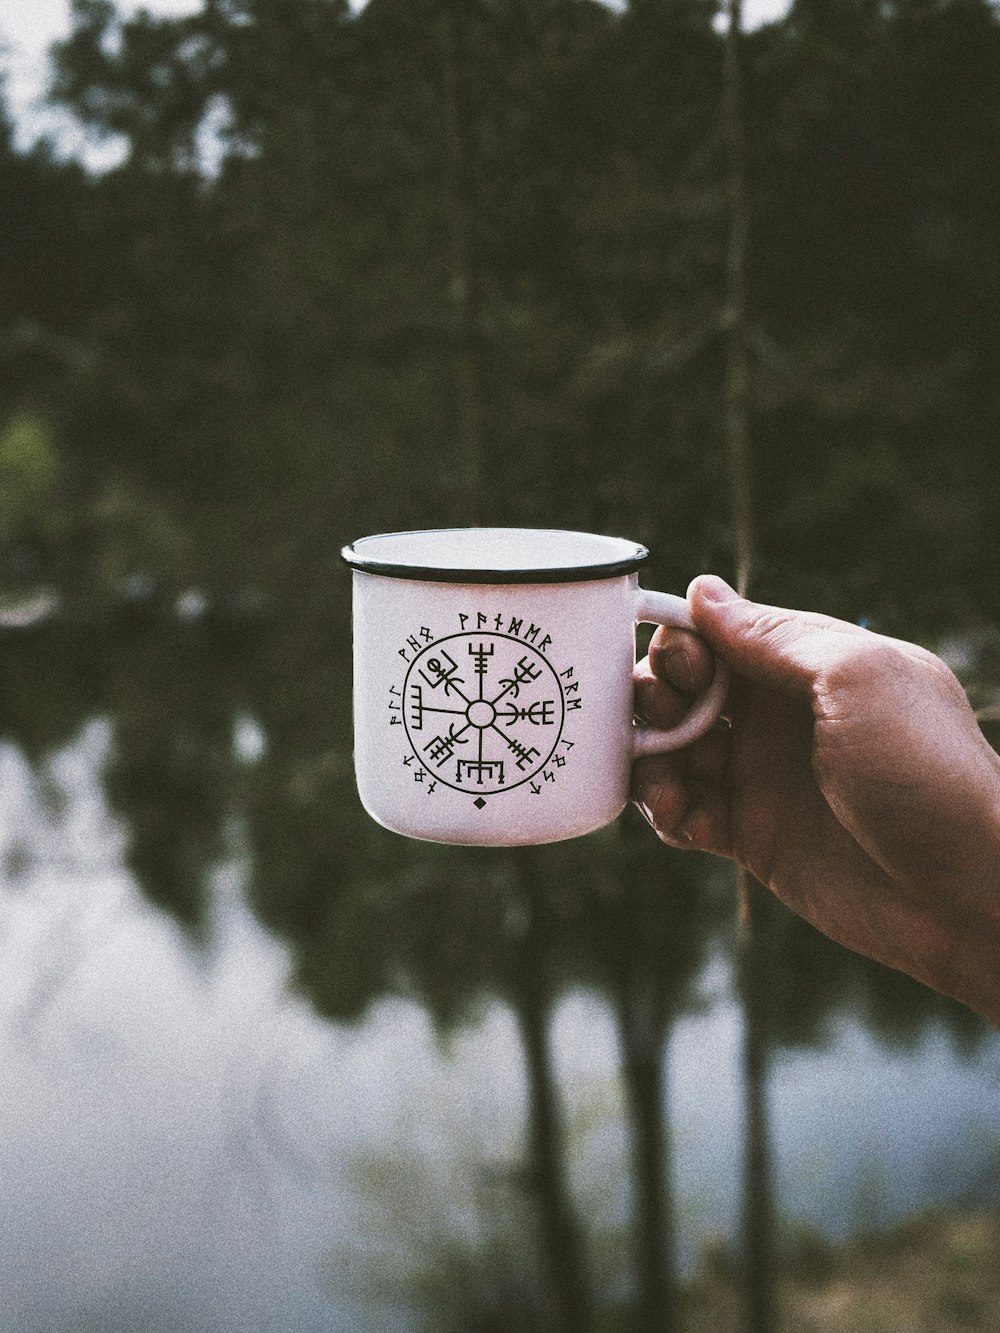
(186, 1143)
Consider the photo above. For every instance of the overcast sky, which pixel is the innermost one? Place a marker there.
(28, 27)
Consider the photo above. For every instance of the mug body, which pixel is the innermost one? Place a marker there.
(494, 713)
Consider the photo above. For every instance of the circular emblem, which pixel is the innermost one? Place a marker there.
(483, 712)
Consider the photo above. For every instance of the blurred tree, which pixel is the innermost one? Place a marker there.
(646, 924)
(511, 231)
(874, 167)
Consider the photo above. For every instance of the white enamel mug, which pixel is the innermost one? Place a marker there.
(493, 682)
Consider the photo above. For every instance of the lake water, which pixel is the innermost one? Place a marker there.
(186, 1145)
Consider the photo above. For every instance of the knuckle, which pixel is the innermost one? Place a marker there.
(771, 626)
(858, 662)
(943, 673)
(874, 663)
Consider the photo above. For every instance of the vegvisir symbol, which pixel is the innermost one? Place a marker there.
(483, 711)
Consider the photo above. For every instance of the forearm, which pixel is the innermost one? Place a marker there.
(971, 965)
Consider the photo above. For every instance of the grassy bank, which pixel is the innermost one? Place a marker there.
(934, 1274)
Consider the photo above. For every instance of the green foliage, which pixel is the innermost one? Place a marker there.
(447, 242)
(134, 543)
(29, 477)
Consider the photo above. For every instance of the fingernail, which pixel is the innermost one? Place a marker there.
(713, 589)
(645, 811)
(674, 662)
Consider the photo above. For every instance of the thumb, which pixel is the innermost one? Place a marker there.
(786, 650)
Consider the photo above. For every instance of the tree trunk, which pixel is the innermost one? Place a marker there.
(463, 274)
(645, 1087)
(758, 1205)
(758, 1172)
(546, 1150)
(736, 404)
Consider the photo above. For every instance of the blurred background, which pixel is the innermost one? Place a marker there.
(279, 273)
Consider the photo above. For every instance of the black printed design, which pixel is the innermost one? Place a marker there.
(483, 711)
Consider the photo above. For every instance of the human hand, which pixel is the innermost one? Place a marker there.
(852, 780)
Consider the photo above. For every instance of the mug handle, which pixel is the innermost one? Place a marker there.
(663, 608)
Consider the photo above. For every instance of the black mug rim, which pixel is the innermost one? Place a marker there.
(627, 562)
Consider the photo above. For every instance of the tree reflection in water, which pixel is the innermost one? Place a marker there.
(509, 1233)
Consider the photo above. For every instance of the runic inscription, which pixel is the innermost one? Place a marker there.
(483, 711)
